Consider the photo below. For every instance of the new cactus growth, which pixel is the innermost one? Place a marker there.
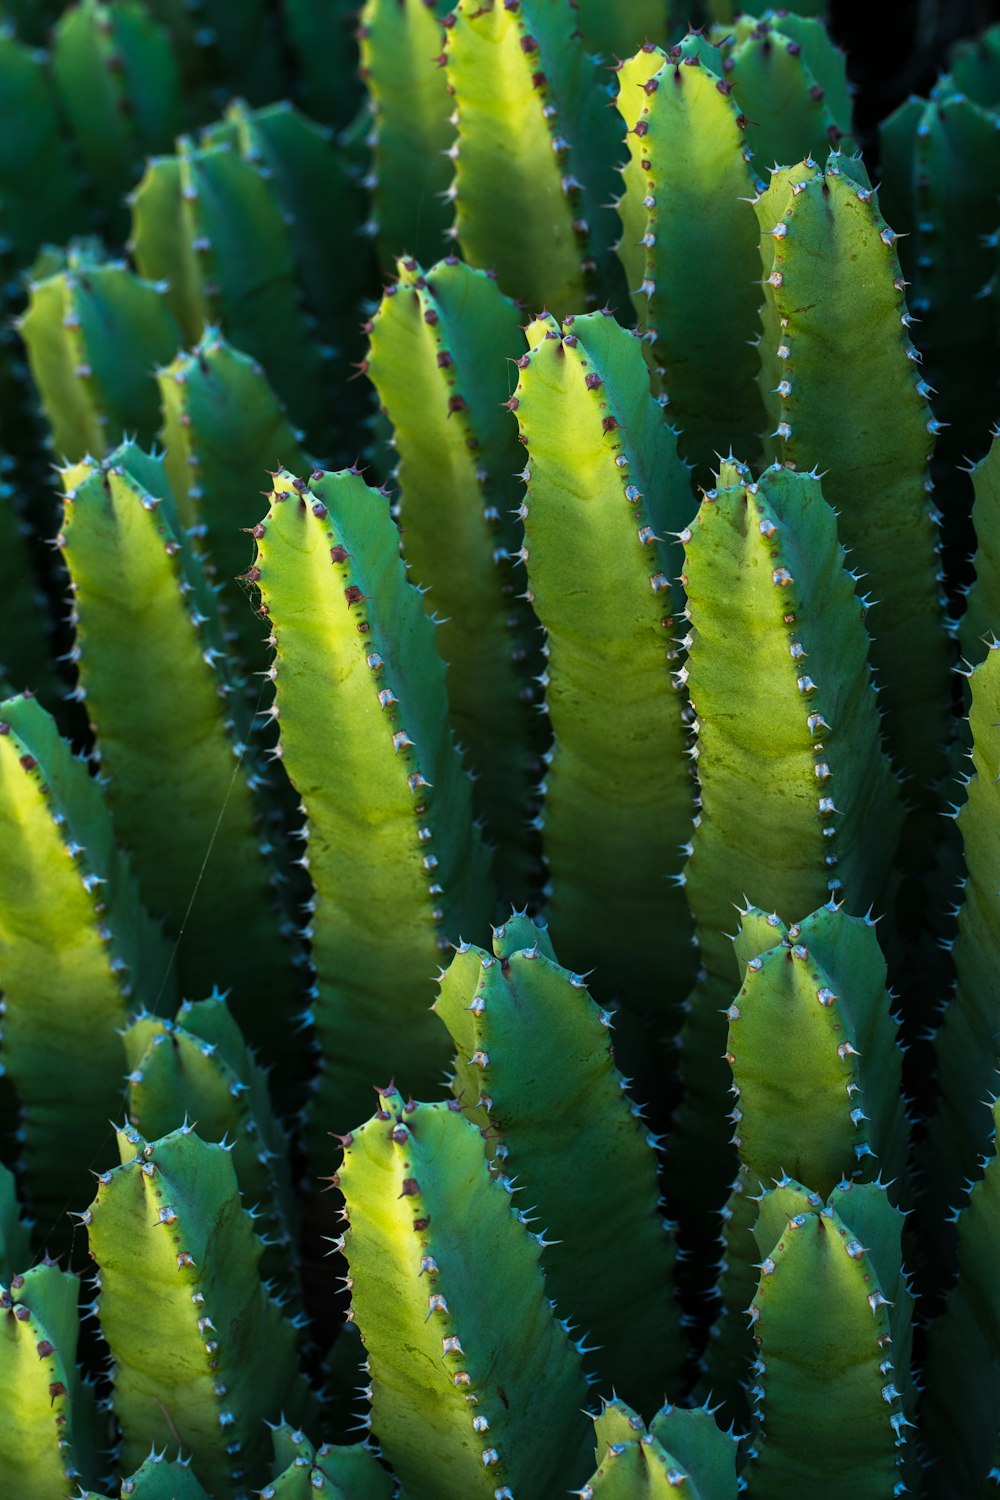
(199, 1068)
(158, 1479)
(202, 1355)
(476, 1387)
(440, 345)
(535, 153)
(94, 334)
(48, 1415)
(835, 1270)
(359, 680)
(535, 1070)
(340, 1473)
(605, 492)
(75, 947)
(681, 1456)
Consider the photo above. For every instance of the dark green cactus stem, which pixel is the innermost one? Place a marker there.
(411, 132)
(323, 208)
(813, 1052)
(617, 27)
(75, 947)
(171, 736)
(476, 1388)
(791, 87)
(536, 151)
(340, 1473)
(49, 1433)
(816, 1075)
(211, 225)
(836, 350)
(201, 1354)
(25, 646)
(15, 1235)
(398, 870)
(962, 1403)
(229, 51)
(118, 82)
(94, 333)
(967, 1047)
(831, 1316)
(954, 163)
(225, 431)
(199, 1068)
(38, 187)
(975, 67)
(605, 489)
(535, 1069)
(323, 38)
(157, 1479)
(982, 616)
(682, 1456)
(440, 346)
(779, 678)
(688, 245)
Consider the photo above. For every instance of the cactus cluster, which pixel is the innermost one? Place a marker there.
(499, 702)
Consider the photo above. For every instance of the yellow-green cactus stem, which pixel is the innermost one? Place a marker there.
(347, 1472)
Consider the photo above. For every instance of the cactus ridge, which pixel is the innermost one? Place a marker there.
(458, 1329)
(440, 342)
(692, 291)
(359, 680)
(535, 154)
(534, 1057)
(201, 1353)
(342, 1473)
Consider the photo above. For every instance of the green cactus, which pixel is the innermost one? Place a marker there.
(617, 27)
(39, 193)
(535, 1070)
(779, 678)
(692, 288)
(967, 1049)
(75, 946)
(94, 334)
(975, 67)
(199, 1068)
(118, 82)
(322, 35)
(359, 684)
(211, 225)
(440, 343)
(954, 163)
(962, 1402)
(682, 1456)
(476, 1387)
(225, 432)
(172, 736)
(836, 355)
(790, 84)
(323, 208)
(227, 51)
(605, 490)
(49, 1431)
(835, 1272)
(343, 1473)
(157, 1479)
(535, 154)
(411, 132)
(201, 1354)
(982, 614)
(15, 1234)
(816, 1076)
